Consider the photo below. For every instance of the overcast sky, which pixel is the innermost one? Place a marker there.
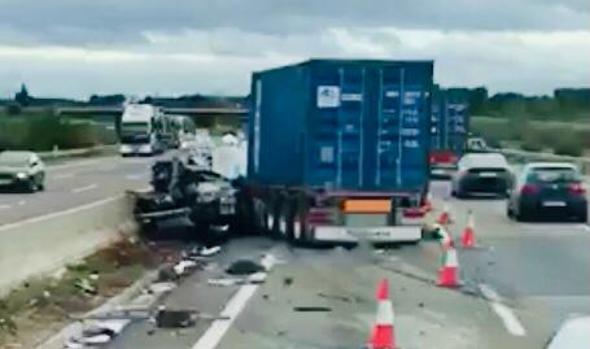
(168, 47)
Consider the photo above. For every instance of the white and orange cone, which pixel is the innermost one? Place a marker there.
(383, 333)
(468, 236)
(446, 240)
(427, 207)
(445, 217)
(448, 275)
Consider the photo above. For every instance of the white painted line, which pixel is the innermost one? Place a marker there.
(586, 227)
(86, 188)
(232, 309)
(21, 203)
(5, 207)
(511, 322)
(136, 176)
(63, 176)
(61, 213)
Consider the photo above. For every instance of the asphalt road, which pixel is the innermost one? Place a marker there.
(74, 183)
(521, 282)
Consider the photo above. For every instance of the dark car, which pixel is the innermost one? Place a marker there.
(549, 190)
(22, 170)
(482, 173)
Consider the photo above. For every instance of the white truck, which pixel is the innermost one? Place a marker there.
(143, 128)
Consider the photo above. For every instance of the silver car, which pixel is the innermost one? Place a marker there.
(22, 170)
(482, 173)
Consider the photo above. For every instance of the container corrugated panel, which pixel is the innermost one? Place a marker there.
(450, 119)
(342, 125)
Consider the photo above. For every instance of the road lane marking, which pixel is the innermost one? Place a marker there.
(233, 308)
(5, 207)
(21, 203)
(586, 227)
(86, 188)
(511, 322)
(136, 176)
(61, 213)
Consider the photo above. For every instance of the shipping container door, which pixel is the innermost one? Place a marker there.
(456, 126)
(337, 119)
(402, 132)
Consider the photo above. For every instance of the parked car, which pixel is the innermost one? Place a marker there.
(482, 173)
(22, 170)
(549, 190)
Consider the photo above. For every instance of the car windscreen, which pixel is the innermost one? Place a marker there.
(553, 175)
(13, 160)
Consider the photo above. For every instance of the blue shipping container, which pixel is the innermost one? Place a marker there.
(450, 119)
(359, 125)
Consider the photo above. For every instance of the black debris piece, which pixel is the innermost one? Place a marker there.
(312, 309)
(166, 318)
(244, 267)
(421, 305)
(265, 296)
(288, 281)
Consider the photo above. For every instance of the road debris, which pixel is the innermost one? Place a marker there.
(287, 281)
(244, 267)
(85, 286)
(166, 318)
(184, 267)
(312, 309)
(99, 333)
(160, 287)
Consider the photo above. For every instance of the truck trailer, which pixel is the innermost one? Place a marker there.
(450, 125)
(338, 150)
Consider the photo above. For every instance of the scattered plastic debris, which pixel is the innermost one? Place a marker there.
(85, 286)
(184, 266)
(96, 334)
(161, 287)
(287, 281)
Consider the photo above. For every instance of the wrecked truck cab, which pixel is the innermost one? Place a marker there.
(181, 189)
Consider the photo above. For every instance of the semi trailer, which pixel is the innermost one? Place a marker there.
(338, 150)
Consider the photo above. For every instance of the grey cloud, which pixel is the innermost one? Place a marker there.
(86, 22)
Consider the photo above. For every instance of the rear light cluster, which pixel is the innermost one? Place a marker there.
(414, 212)
(577, 189)
(529, 189)
(315, 216)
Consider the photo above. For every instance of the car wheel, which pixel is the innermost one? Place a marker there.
(509, 212)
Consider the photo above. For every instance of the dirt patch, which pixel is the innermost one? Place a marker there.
(30, 314)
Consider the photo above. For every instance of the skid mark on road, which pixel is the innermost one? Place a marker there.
(85, 188)
(232, 309)
(509, 319)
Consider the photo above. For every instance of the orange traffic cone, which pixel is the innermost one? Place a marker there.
(468, 236)
(445, 217)
(446, 240)
(448, 275)
(383, 334)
